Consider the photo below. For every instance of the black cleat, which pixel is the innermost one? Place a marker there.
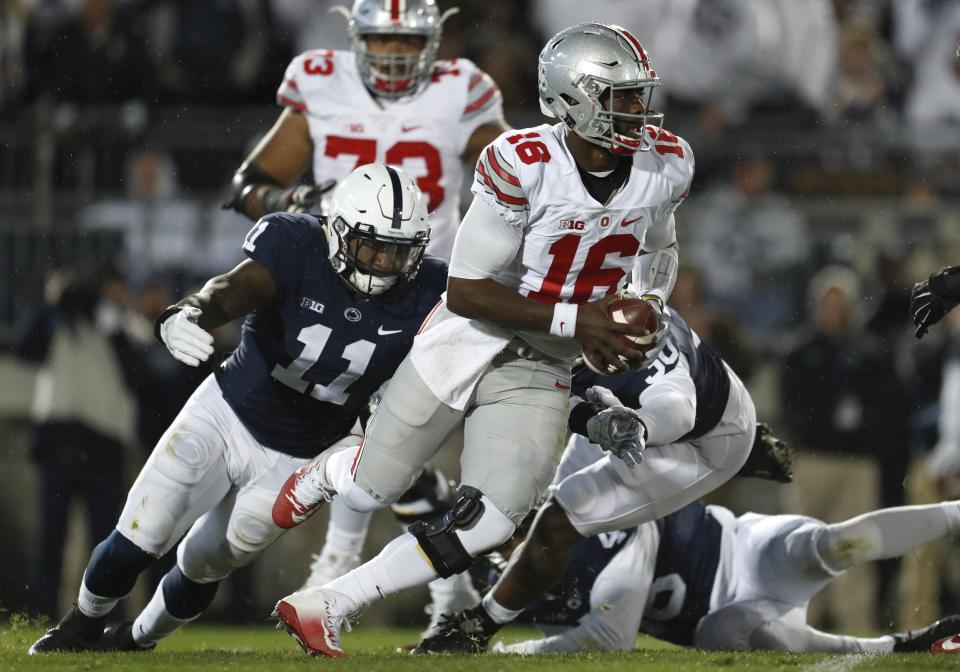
(770, 458)
(467, 632)
(924, 638)
(74, 632)
(120, 638)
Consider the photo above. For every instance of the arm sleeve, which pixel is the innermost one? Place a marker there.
(669, 406)
(485, 244)
(656, 268)
(617, 601)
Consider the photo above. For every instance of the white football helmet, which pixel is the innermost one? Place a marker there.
(395, 75)
(579, 71)
(377, 228)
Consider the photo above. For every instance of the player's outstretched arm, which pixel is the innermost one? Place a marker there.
(185, 326)
(933, 298)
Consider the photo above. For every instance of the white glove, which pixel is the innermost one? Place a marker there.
(184, 338)
(617, 428)
(518, 648)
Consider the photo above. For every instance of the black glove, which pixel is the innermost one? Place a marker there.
(933, 298)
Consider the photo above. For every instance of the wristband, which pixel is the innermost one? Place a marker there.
(172, 310)
(564, 320)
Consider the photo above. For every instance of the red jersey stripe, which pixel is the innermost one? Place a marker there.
(481, 101)
(499, 170)
(283, 100)
(499, 194)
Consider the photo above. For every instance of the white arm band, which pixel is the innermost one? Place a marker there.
(564, 320)
(485, 244)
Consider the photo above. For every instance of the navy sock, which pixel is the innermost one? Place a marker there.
(114, 566)
(185, 598)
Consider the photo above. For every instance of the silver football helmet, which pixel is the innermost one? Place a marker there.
(393, 76)
(377, 228)
(579, 72)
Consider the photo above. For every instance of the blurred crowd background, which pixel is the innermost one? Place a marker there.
(827, 137)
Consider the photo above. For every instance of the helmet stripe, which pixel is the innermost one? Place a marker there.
(397, 198)
(635, 43)
(394, 10)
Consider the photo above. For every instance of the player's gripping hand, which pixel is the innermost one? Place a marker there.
(616, 428)
(598, 333)
(184, 338)
(933, 298)
(302, 198)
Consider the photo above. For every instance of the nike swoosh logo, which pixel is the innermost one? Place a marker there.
(950, 644)
(628, 222)
(384, 332)
(407, 129)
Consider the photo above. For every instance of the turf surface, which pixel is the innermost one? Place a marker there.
(211, 648)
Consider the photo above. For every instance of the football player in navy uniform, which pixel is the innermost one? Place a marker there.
(332, 307)
(645, 445)
(706, 578)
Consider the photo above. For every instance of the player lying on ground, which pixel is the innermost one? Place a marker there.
(698, 423)
(332, 308)
(544, 245)
(385, 100)
(706, 578)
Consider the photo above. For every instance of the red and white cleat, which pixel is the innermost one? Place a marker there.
(312, 619)
(302, 495)
(946, 645)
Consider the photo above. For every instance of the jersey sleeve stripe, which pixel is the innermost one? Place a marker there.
(502, 172)
(476, 79)
(287, 102)
(481, 101)
(291, 83)
(506, 199)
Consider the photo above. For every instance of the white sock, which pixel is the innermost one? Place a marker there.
(346, 531)
(454, 593)
(92, 605)
(400, 565)
(498, 612)
(887, 533)
(337, 468)
(155, 622)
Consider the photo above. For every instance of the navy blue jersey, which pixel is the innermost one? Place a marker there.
(686, 567)
(307, 366)
(710, 378)
(569, 600)
(687, 560)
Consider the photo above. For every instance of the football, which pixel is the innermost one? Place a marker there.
(638, 312)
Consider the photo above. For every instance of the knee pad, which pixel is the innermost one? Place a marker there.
(358, 499)
(249, 533)
(149, 524)
(738, 626)
(185, 456)
(430, 497)
(452, 540)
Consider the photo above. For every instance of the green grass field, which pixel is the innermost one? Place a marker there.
(210, 649)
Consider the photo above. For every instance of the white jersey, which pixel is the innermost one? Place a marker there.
(425, 134)
(576, 249)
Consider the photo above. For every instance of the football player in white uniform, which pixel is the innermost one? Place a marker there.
(560, 215)
(674, 431)
(706, 578)
(387, 100)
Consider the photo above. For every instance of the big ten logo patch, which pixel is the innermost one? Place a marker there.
(572, 225)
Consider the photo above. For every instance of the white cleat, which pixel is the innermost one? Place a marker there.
(311, 618)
